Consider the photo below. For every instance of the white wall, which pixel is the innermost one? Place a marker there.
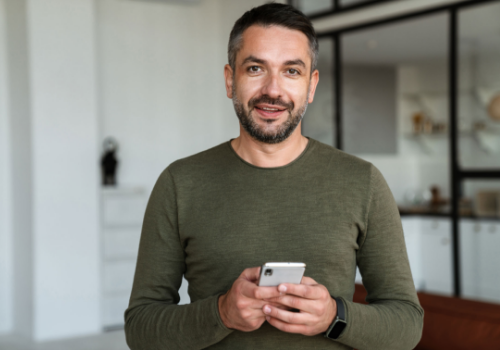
(161, 81)
(161, 84)
(20, 163)
(5, 198)
(151, 75)
(65, 167)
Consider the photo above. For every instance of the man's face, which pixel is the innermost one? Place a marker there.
(272, 82)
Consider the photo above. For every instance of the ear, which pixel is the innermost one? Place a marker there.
(312, 85)
(228, 76)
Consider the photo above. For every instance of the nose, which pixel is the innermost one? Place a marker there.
(272, 86)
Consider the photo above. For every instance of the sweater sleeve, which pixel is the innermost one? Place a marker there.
(153, 319)
(393, 319)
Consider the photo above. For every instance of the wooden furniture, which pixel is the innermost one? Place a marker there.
(454, 323)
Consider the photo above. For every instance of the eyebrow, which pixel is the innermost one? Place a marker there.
(297, 62)
(253, 59)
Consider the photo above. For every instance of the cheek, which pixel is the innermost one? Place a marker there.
(246, 90)
(296, 91)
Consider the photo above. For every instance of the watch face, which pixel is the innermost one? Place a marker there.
(337, 328)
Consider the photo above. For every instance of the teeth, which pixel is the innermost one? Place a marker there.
(270, 109)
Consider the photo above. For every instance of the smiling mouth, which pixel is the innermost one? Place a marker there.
(270, 109)
(269, 113)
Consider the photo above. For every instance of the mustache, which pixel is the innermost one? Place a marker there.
(269, 100)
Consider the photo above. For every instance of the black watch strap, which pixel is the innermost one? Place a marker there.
(339, 323)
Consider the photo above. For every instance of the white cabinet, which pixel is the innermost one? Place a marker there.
(436, 247)
(469, 258)
(121, 221)
(411, 229)
(480, 259)
(429, 247)
(430, 251)
(489, 261)
(121, 242)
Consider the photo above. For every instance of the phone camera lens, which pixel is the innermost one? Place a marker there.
(268, 272)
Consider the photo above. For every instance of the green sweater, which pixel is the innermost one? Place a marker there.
(212, 215)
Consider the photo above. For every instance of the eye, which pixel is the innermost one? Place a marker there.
(254, 69)
(293, 71)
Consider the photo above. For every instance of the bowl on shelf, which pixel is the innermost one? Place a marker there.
(487, 203)
(494, 108)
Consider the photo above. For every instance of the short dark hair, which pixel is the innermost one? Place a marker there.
(272, 14)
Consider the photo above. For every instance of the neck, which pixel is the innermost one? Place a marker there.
(267, 155)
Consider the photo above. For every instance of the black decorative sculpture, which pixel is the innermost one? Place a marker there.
(109, 163)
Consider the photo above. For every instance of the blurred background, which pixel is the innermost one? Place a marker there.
(97, 97)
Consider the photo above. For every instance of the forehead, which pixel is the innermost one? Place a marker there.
(274, 44)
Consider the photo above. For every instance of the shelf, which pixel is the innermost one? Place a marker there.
(486, 139)
(423, 135)
(424, 212)
(433, 93)
(122, 190)
(467, 133)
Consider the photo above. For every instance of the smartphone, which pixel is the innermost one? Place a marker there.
(273, 274)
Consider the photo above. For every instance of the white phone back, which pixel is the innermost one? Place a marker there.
(281, 273)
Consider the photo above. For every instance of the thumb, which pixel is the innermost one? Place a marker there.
(251, 274)
(308, 281)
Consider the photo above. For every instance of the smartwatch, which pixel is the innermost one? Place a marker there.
(339, 322)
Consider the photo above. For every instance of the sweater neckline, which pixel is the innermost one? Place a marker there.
(306, 151)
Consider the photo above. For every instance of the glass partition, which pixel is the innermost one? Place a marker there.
(394, 86)
(479, 87)
(395, 114)
(318, 122)
(395, 107)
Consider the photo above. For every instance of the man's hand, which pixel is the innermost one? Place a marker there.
(241, 307)
(317, 308)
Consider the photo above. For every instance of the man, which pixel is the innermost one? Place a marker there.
(272, 195)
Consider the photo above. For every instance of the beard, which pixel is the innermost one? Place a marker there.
(268, 133)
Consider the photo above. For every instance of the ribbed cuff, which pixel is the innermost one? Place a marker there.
(216, 313)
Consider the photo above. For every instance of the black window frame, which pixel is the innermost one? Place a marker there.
(338, 8)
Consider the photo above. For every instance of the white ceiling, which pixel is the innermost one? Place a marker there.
(424, 39)
(401, 42)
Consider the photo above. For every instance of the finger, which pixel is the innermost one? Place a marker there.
(248, 289)
(252, 291)
(287, 327)
(308, 280)
(260, 306)
(302, 290)
(266, 292)
(293, 302)
(287, 316)
(251, 274)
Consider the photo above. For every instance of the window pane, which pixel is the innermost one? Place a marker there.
(395, 114)
(395, 94)
(318, 122)
(479, 87)
(313, 6)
